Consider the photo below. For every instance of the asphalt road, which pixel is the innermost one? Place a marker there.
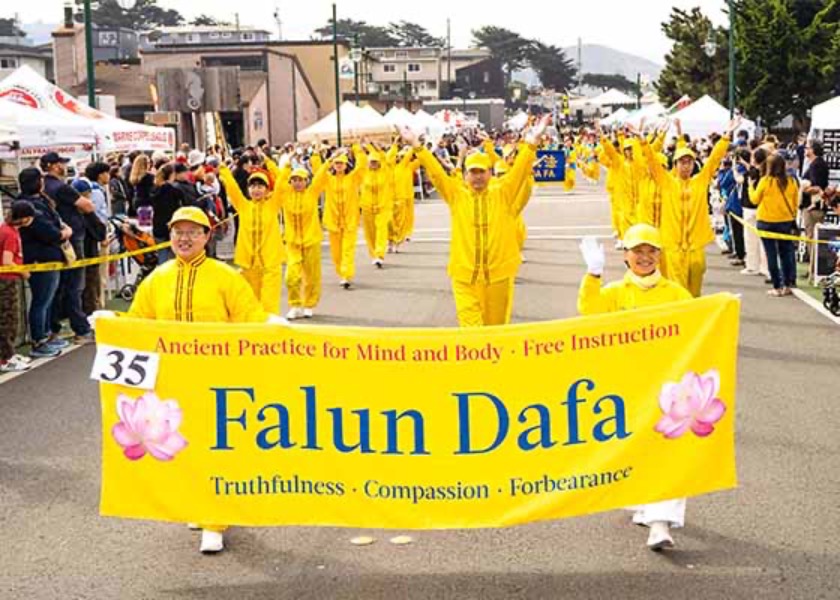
(776, 536)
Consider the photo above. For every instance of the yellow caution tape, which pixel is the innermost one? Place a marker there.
(771, 235)
(89, 262)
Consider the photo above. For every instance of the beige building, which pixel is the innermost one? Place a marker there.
(418, 74)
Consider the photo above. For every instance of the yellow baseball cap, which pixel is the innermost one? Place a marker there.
(192, 214)
(682, 153)
(478, 161)
(302, 173)
(501, 167)
(642, 234)
(341, 158)
(375, 157)
(259, 176)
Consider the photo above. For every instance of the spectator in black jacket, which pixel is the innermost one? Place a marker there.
(813, 189)
(184, 182)
(142, 180)
(166, 199)
(41, 244)
(71, 208)
(121, 193)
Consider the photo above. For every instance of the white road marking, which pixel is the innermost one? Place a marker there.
(816, 305)
(36, 364)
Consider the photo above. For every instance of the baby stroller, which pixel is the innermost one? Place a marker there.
(130, 239)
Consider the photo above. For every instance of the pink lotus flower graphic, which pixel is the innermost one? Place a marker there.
(148, 424)
(691, 404)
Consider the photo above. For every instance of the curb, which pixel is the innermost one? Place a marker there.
(810, 301)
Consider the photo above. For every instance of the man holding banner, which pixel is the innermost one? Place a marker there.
(484, 252)
(195, 288)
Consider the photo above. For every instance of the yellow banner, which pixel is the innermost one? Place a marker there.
(417, 428)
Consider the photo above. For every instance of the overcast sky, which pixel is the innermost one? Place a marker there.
(628, 26)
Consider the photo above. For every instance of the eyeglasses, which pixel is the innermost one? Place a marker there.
(190, 234)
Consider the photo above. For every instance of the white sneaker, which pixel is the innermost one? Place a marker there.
(748, 272)
(294, 313)
(308, 313)
(11, 366)
(345, 284)
(211, 542)
(21, 359)
(660, 536)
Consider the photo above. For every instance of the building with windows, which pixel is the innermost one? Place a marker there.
(13, 56)
(202, 35)
(400, 75)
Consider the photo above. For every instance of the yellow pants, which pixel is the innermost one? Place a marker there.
(408, 229)
(375, 226)
(686, 268)
(343, 251)
(216, 528)
(303, 275)
(267, 284)
(615, 214)
(570, 180)
(482, 304)
(397, 231)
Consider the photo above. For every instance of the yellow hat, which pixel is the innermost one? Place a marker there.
(375, 157)
(479, 161)
(259, 176)
(682, 153)
(627, 144)
(501, 167)
(642, 234)
(193, 214)
(341, 158)
(299, 172)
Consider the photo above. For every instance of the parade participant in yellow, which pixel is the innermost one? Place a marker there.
(500, 170)
(685, 225)
(570, 176)
(341, 210)
(605, 159)
(484, 254)
(195, 288)
(627, 172)
(402, 224)
(642, 286)
(377, 204)
(259, 248)
(298, 201)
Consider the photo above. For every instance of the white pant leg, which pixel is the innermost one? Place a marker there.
(670, 511)
(752, 242)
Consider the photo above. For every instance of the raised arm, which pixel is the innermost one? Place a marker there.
(234, 194)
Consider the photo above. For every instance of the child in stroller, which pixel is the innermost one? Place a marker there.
(132, 238)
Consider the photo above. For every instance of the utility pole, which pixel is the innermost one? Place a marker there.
(580, 66)
(448, 59)
(91, 66)
(356, 66)
(731, 59)
(279, 21)
(405, 87)
(638, 90)
(335, 68)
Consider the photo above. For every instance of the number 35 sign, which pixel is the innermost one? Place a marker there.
(121, 366)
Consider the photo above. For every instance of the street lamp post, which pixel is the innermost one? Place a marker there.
(89, 62)
(335, 67)
(731, 59)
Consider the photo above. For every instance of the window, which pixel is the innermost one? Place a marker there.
(247, 37)
(214, 35)
(245, 63)
(400, 54)
(8, 63)
(390, 68)
(413, 67)
(486, 76)
(192, 38)
(226, 35)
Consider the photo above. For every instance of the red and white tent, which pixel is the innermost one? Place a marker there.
(38, 132)
(24, 86)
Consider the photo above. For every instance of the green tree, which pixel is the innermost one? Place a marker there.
(413, 35)
(605, 81)
(203, 20)
(554, 69)
(510, 48)
(369, 36)
(786, 56)
(145, 13)
(688, 70)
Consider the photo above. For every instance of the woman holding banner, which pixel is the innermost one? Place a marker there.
(643, 285)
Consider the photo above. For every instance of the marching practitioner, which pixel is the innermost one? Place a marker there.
(377, 204)
(341, 210)
(685, 225)
(195, 288)
(570, 178)
(626, 172)
(402, 223)
(484, 254)
(643, 285)
(298, 200)
(259, 245)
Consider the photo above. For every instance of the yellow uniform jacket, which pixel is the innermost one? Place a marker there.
(625, 295)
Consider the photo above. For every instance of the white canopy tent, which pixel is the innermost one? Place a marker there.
(400, 117)
(39, 132)
(705, 117)
(518, 122)
(24, 86)
(356, 123)
(825, 116)
(651, 114)
(8, 134)
(616, 118)
(427, 124)
(612, 97)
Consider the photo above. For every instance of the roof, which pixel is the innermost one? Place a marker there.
(19, 50)
(233, 46)
(209, 29)
(125, 82)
